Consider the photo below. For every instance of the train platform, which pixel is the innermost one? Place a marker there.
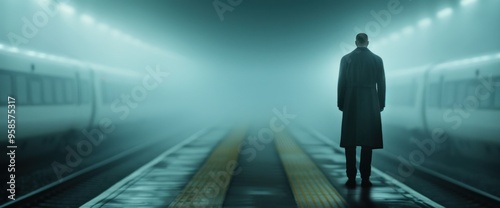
(254, 168)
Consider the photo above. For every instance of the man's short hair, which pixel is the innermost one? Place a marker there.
(362, 38)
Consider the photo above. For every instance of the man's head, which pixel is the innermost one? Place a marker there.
(362, 40)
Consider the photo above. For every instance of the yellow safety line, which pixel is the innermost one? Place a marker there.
(310, 186)
(205, 190)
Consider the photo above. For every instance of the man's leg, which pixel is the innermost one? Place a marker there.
(350, 165)
(365, 166)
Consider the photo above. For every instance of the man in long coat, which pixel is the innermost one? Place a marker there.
(361, 98)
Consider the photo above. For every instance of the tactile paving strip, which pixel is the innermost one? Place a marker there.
(309, 185)
(209, 185)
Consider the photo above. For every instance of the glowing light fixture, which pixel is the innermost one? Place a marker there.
(127, 38)
(467, 2)
(383, 41)
(135, 41)
(103, 26)
(445, 12)
(31, 53)
(67, 9)
(485, 58)
(14, 50)
(52, 57)
(394, 36)
(424, 22)
(87, 19)
(408, 30)
(42, 55)
(116, 33)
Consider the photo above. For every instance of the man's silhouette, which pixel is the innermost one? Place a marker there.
(361, 98)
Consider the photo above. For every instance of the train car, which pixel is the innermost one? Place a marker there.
(463, 99)
(458, 99)
(55, 97)
(404, 98)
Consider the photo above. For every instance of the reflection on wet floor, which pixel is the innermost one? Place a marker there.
(296, 170)
(385, 192)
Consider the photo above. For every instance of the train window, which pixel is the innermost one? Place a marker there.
(496, 102)
(412, 93)
(6, 87)
(85, 92)
(112, 89)
(434, 95)
(448, 94)
(484, 102)
(48, 92)
(35, 90)
(401, 94)
(104, 91)
(497, 98)
(471, 87)
(59, 91)
(70, 91)
(21, 89)
(111, 93)
(462, 91)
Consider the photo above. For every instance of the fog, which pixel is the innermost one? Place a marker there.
(243, 61)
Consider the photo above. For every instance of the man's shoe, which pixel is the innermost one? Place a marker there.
(351, 183)
(365, 183)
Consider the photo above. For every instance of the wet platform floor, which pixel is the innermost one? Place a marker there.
(237, 168)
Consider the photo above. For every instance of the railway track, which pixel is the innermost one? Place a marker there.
(79, 187)
(436, 186)
(463, 195)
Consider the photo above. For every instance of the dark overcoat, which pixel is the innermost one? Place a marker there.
(361, 98)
